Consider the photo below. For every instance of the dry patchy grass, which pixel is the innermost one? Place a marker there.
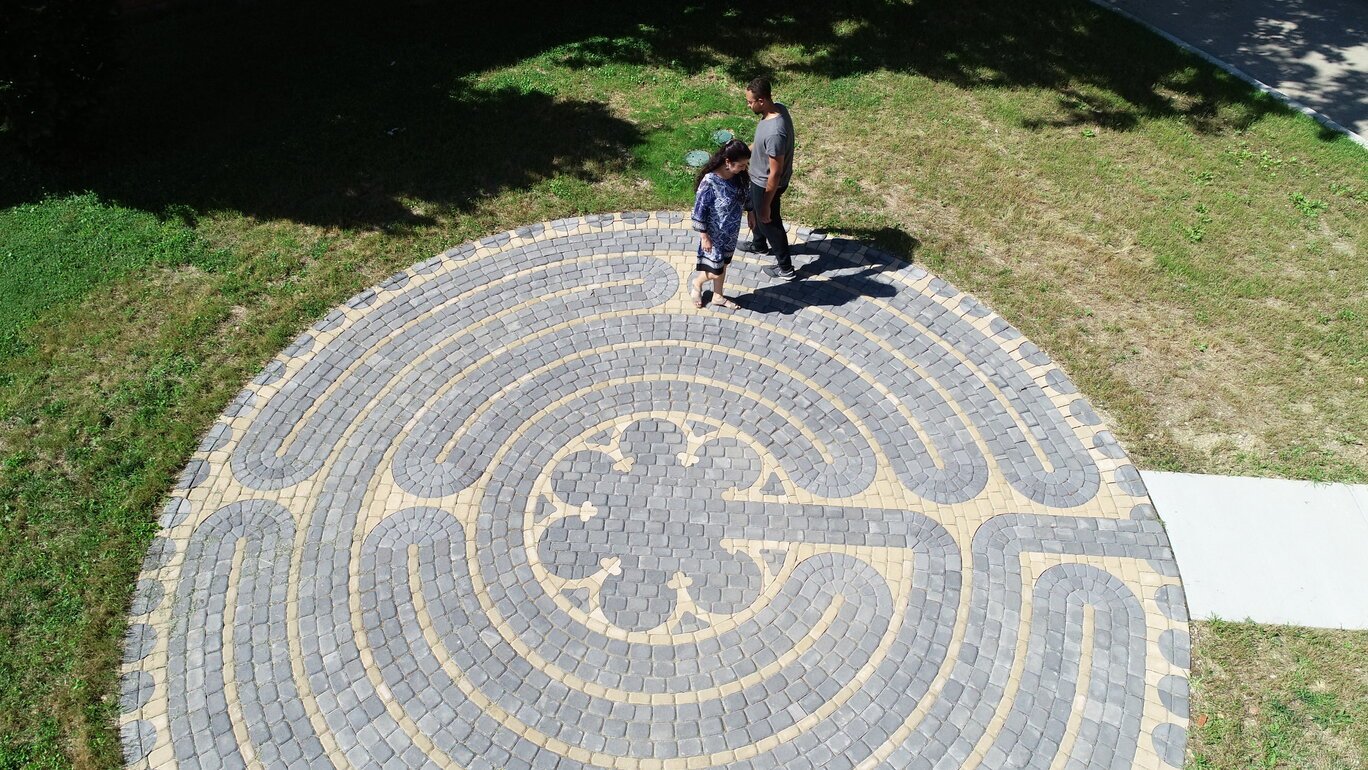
(1278, 697)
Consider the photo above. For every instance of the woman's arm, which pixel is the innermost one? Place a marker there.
(703, 205)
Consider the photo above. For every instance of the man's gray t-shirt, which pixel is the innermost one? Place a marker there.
(773, 137)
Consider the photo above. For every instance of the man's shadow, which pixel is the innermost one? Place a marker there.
(845, 276)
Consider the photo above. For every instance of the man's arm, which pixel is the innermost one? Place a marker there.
(776, 167)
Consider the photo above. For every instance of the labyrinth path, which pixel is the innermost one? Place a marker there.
(523, 506)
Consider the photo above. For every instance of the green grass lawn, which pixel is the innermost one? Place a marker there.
(1192, 253)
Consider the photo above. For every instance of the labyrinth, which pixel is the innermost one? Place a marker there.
(524, 506)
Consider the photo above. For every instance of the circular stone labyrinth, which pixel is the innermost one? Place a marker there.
(523, 506)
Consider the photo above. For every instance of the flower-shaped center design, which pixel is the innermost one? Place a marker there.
(657, 525)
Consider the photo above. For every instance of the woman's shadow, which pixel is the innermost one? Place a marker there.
(846, 276)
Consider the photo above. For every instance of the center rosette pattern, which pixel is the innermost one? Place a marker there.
(653, 520)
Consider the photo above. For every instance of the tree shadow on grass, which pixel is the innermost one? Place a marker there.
(365, 115)
(1108, 71)
(349, 114)
(387, 169)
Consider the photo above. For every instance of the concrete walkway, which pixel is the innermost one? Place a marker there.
(1269, 550)
(1314, 51)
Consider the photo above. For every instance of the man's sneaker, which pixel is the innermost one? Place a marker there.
(751, 247)
(774, 271)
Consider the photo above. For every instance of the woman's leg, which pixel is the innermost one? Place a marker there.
(696, 288)
(718, 298)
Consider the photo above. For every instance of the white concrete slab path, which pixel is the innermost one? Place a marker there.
(1270, 550)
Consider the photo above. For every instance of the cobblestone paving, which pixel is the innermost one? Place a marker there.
(523, 506)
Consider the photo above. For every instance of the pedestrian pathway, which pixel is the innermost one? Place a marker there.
(1313, 51)
(523, 506)
(1270, 550)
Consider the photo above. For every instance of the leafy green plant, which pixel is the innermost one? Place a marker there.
(1307, 206)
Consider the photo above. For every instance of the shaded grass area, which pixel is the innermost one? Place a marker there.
(1278, 697)
(1188, 250)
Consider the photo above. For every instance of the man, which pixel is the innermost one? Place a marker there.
(771, 166)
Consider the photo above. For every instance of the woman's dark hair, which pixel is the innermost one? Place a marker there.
(733, 150)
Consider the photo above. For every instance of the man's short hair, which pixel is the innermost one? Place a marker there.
(760, 87)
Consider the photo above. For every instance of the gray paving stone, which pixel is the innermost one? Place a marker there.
(1129, 481)
(139, 640)
(138, 738)
(1106, 443)
(1144, 512)
(1171, 602)
(174, 512)
(147, 596)
(195, 473)
(216, 438)
(1084, 413)
(1176, 647)
(135, 687)
(1173, 693)
(1169, 743)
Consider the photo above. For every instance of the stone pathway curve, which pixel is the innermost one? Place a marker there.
(523, 506)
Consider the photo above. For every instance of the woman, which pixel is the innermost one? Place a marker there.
(717, 218)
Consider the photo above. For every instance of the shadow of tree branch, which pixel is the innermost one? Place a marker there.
(364, 115)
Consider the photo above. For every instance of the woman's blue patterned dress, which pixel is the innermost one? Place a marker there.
(717, 212)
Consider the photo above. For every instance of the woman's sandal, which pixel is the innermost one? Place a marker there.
(696, 294)
(721, 301)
